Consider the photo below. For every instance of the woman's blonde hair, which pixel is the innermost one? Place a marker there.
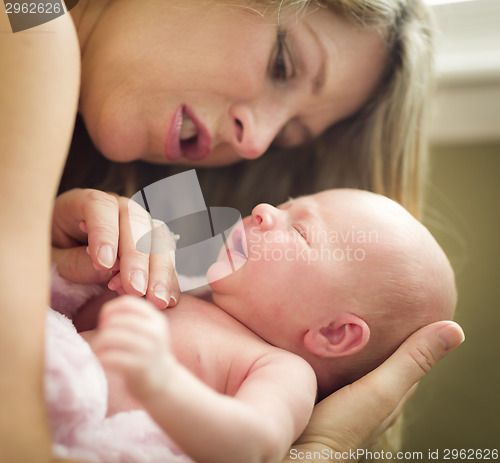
(389, 136)
(382, 148)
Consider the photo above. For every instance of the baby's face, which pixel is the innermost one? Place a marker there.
(327, 254)
(296, 255)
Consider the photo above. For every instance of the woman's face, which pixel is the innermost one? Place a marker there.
(199, 83)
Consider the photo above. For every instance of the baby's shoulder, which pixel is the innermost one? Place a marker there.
(202, 316)
(212, 344)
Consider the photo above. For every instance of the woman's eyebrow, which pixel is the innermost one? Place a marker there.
(320, 77)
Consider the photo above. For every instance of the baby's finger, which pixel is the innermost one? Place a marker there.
(118, 361)
(143, 324)
(113, 345)
(126, 305)
(74, 264)
(131, 323)
(163, 288)
(134, 247)
(115, 284)
(124, 337)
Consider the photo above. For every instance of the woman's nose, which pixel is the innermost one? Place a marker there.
(254, 129)
(265, 216)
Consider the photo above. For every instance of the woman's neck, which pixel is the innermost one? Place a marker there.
(86, 14)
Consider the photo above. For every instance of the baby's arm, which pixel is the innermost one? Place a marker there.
(269, 411)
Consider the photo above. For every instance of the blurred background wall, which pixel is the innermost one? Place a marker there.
(458, 404)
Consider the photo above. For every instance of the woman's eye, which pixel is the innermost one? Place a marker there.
(280, 69)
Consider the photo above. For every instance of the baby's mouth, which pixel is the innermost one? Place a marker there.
(238, 245)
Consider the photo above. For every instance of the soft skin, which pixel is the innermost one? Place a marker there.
(39, 92)
(292, 250)
(38, 100)
(440, 338)
(313, 304)
(254, 87)
(316, 279)
(293, 79)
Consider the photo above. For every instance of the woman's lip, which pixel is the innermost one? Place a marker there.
(194, 149)
(173, 150)
(200, 148)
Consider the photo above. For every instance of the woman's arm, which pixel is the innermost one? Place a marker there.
(38, 100)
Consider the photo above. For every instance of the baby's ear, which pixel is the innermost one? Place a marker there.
(345, 335)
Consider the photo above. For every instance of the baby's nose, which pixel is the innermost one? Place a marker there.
(264, 216)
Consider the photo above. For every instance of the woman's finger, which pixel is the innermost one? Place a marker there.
(74, 264)
(87, 216)
(66, 232)
(163, 288)
(413, 360)
(134, 247)
(101, 220)
(366, 407)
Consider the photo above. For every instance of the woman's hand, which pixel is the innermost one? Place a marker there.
(94, 236)
(356, 416)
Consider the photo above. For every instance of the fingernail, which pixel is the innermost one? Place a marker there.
(138, 281)
(451, 336)
(114, 284)
(161, 293)
(173, 302)
(106, 256)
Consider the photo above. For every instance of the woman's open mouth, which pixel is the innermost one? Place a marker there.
(187, 137)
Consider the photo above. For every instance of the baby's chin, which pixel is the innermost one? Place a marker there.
(217, 272)
(224, 268)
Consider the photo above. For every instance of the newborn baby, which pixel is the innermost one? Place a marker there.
(328, 286)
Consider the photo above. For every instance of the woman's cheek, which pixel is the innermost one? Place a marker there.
(120, 136)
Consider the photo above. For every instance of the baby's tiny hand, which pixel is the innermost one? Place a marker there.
(133, 340)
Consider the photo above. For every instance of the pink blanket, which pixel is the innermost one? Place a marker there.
(76, 395)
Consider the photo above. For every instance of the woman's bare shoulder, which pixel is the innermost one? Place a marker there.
(39, 88)
(56, 37)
